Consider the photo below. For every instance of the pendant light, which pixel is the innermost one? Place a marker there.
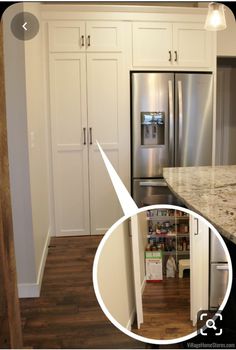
(215, 17)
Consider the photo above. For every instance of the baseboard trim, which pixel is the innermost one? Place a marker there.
(43, 259)
(28, 290)
(32, 290)
(131, 319)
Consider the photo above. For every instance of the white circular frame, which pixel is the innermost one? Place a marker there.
(95, 274)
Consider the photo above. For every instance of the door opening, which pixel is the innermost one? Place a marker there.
(166, 289)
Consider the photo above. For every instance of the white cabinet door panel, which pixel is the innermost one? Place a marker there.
(199, 267)
(193, 45)
(66, 36)
(105, 83)
(152, 42)
(70, 154)
(70, 204)
(104, 36)
(105, 207)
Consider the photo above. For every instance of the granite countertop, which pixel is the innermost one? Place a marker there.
(209, 191)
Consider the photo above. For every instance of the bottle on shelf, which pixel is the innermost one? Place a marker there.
(184, 244)
(180, 246)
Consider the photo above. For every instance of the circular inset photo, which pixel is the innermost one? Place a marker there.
(162, 275)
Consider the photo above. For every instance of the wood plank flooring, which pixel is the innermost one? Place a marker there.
(166, 307)
(67, 314)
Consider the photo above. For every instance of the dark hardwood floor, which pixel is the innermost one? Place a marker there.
(166, 307)
(67, 314)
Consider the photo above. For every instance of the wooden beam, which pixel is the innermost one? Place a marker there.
(10, 322)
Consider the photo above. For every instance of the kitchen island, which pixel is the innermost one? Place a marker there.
(210, 192)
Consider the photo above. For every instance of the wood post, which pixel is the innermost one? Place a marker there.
(10, 322)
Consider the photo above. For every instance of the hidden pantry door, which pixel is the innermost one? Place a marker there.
(107, 115)
(88, 96)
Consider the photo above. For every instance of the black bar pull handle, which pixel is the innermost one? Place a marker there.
(90, 136)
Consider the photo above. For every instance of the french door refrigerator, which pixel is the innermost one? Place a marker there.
(172, 122)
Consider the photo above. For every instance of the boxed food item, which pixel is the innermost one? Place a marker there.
(153, 261)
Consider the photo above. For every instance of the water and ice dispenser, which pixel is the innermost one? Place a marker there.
(152, 128)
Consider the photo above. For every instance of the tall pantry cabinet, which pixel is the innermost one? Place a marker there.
(88, 94)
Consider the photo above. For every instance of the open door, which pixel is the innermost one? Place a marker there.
(136, 268)
(199, 267)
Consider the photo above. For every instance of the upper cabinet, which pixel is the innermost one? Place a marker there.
(192, 45)
(152, 44)
(171, 45)
(66, 36)
(104, 36)
(94, 36)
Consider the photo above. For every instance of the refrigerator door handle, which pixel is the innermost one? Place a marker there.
(153, 184)
(171, 123)
(179, 137)
(222, 267)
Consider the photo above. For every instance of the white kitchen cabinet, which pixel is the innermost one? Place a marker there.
(171, 45)
(192, 45)
(87, 104)
(70, 154)
(106, 113)
(66, 36)
(95, 36)
(152, 44)
(104, 36)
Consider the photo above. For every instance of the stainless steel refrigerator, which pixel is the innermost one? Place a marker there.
(219, 271)
(172, 126)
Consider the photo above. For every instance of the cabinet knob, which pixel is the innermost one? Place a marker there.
(170, 56)
(176, 56)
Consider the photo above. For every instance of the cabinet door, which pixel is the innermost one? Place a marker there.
(193, 45)
(107, 115)
(66, 36)
(199, 267)
(69, 151)
(152, 43)
(104, 36)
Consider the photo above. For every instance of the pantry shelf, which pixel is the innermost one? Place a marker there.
(168, 233)
(165, 218)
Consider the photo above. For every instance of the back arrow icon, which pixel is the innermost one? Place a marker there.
(24, 26)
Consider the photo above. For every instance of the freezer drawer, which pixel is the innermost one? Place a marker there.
(218, 284)
(152, 191)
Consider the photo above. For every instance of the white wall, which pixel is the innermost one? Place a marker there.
(28, 167)
(15, 87)
(38, 140)
(115, 275)
(226, 43)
